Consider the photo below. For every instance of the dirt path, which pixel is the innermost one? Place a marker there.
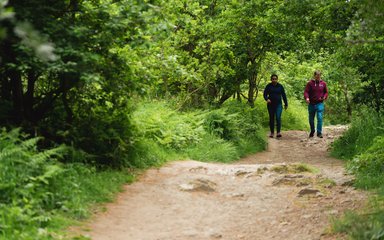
(264, 196)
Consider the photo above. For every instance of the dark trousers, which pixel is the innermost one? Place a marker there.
(275, 111)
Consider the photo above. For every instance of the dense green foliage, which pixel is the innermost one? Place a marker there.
(362, 147)
(362, 144)
(223, 134)
(38, 194)
(364, 226)
(359, 137)
(218, 134)
(94, 75)
(70, 69)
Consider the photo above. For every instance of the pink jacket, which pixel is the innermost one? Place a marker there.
(316, 91)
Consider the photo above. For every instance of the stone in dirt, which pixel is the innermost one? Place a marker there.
(307, 191)
(199, 185)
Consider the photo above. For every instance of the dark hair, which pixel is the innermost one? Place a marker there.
(317, 72)
(274, 75)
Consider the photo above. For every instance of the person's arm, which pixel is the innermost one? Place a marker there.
(266, 93)
(325, 96)
(284, 97)
(306, 92)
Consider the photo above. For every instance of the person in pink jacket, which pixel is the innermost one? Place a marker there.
(315, 93)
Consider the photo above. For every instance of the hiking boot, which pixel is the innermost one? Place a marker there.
(320, 135)
(311, 134)
(271, 135)
(278, 135)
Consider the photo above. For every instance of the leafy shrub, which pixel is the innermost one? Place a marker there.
(368, 225)
(369, 166)
(24, 170)
(234, 128)
(166, 126)
(213, 149)
(38, 193)
(359, 136)
(248, 129)
(372, 160)
(362, 145)
(105, 134)
(25, 175)
(248, 120)
(148, 153)
(219, 123)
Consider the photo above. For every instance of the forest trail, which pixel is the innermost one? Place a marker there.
(263, 196)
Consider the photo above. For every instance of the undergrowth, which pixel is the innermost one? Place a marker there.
(218, 134)
(365, 126)
(362, 147)
(223, 134)
(39, 195)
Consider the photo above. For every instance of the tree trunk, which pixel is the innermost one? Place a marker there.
(238, 96)
(17, 95)
(29, 96)
(212, 93)
(5, 87)
(226, 95)
(67, 108)
(65, 86)
(252, 89)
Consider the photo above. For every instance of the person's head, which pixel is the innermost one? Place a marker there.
(274, 78)
(317, 75)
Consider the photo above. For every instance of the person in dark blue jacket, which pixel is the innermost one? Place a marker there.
(273, 93)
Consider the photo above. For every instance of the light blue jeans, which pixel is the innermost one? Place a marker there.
(316, 109)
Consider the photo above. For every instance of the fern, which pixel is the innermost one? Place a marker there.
(25, 176)
(168, 127)
(30, 144)
(46, 155)
(50, 172)
(12, 153)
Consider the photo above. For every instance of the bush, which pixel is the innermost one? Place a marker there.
(369, 166)
(362, 146)
(213, 149)
(25, 175)
(372, 160)
(368, 225)
(105, 135)
(158, 122)
(38, 193)
(148, 153)
(235, 127)
(219, 123)
(359, 136)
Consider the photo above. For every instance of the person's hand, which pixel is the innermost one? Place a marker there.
(307, 100)
(268, 101)
(285, 107)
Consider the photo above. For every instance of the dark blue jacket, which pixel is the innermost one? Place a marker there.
(275, 93)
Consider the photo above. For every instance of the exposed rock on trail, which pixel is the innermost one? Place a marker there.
(289, 191)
